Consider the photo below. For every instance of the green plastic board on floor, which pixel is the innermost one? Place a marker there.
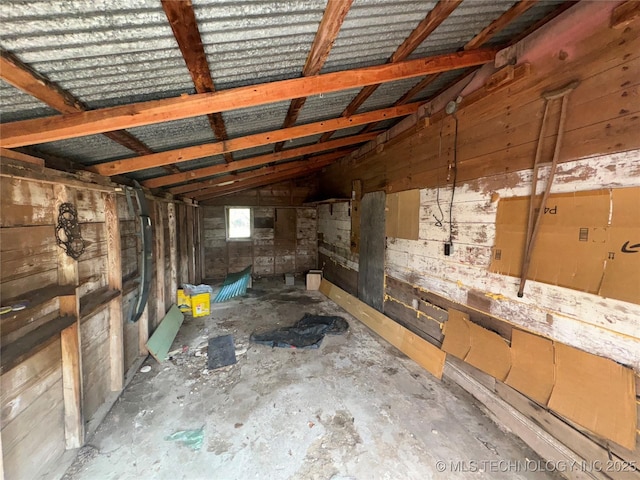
(161, 340)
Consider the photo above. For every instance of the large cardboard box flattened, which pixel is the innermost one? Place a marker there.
(532, 366)
(588, 241)
(597, 393)
(477, 346)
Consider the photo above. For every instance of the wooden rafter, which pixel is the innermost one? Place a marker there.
(544, 20)
(23, 77)
(332, 19)
(258, 161)
(183, 22)
(257, 182)
(193, 189)
(48, 129)
(499, 23)
(434, 18)
(118, 167)
(480, 39)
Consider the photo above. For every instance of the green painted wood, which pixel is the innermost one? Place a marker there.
(160, 342)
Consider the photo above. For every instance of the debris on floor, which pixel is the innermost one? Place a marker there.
(221, 352)
(161, 340)
(189, 438)
(234, 285)
(308, 332)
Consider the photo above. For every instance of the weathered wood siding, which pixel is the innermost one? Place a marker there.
(34, 405)
(335, 256)
(292, 249)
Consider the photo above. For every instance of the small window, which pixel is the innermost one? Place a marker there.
(238, 223)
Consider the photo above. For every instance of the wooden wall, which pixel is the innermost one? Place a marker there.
(65, 356)
(284, 241)
(284, 233)
(497, 131)
(496, 140)
(335, 256)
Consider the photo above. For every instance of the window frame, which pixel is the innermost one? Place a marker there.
(226, 224)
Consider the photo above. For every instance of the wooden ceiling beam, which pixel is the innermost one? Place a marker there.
(24, 78)
(258, 161)
(127, 165)
(49, 129)
(183, 22)
(332, 19)
(477, 41)
(256, 183)
(434, 18)
(224, 180)
(499, 23)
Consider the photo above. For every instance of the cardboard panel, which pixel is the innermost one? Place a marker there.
(597, 393)
(489, 352)
(532, 366)
(456, 334)
(587, 241)
(477, 346)
(403, 214)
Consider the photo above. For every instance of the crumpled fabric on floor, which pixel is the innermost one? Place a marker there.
(308, 332)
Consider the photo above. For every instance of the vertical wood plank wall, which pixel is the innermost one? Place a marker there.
(292, 250)
(105, 279)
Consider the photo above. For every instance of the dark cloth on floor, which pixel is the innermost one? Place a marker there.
(308, 332)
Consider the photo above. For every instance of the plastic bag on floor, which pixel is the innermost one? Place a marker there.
(308, 332)
(189, 438)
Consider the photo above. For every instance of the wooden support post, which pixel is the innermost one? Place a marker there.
(183, 262)
(173, 251)
(114, 279)
(160, 267)
(191, 260)
(72, 375)
(143, 331)
(70, 338)
(200, 237)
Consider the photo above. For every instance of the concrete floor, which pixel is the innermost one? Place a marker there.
(354, 409)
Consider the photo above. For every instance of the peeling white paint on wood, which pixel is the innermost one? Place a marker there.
(606, 327)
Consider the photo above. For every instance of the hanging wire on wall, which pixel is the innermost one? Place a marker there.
(68, 231)
(438, 222)
(454, 167)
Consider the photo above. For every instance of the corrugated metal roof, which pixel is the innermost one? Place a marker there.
(114, 52)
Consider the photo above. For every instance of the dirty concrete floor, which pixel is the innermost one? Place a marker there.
(356, 408)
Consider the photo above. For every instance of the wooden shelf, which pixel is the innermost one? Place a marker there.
(328, 200)
(129, 285)
(96, 300)
(33, 342)
(35, 301)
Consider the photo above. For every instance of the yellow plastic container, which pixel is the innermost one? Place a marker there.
(184, 302)
(201, 304)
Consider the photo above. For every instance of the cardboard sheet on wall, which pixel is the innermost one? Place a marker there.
(489, 352)
(403, 215)
(532, 366)
(456, 334)
(588, 241)
(597, 393)
(475, 345)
